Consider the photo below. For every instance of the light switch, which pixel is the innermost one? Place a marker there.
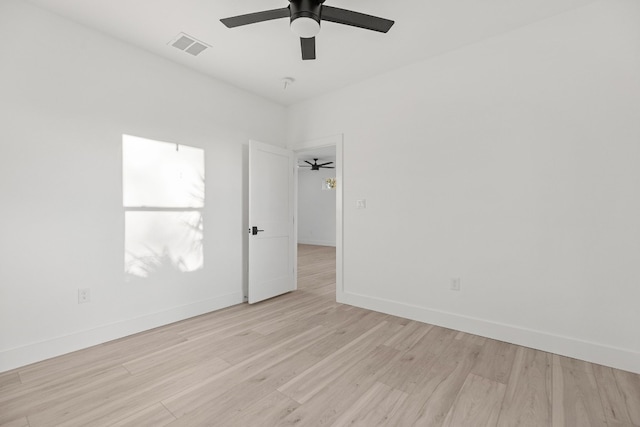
(361, 203)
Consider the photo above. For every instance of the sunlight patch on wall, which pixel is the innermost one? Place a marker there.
(163, 198)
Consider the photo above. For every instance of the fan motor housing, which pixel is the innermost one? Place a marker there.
(305, 9)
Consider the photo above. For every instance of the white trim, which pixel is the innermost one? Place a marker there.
(339, 216)
(36, 352)
(330, 141)
(295, 220)
(316, 242)
(619, 358)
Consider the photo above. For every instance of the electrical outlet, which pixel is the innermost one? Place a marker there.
(84, 296)
(455, 284)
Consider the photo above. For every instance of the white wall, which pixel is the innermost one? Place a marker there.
(67, 94)
(316, 208)
(511, 164)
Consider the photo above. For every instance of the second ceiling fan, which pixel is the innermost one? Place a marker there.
(305, 17)
(315, 166)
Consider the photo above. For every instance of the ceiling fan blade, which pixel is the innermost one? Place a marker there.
(308, 48)
(252, 18)
(308, 162)
(328, 167)
(324, 164)
(356, 19)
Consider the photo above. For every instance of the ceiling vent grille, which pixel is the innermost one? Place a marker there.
(188, 44)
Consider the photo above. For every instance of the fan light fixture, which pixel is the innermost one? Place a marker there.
(305, 27)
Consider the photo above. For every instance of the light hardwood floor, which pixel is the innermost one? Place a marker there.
(302, 359)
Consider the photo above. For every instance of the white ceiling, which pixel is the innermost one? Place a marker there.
(257, 57)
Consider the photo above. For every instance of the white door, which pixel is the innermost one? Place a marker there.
(271, 232)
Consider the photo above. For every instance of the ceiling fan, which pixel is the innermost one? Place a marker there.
(305, 17)
(315, 166)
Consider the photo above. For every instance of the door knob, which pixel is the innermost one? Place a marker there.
(254, 230)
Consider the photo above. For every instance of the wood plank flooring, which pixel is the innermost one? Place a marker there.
(302, 359)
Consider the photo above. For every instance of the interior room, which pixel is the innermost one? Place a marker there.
(317, 197)
(479, 260)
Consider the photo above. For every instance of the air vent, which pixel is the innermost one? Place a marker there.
(188, 44)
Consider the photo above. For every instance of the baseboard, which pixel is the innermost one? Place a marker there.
(618, 358)
(25, 355)
(316, 242)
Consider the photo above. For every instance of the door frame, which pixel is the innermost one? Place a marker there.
(329, 141)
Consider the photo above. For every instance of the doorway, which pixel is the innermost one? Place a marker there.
(319, 211)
